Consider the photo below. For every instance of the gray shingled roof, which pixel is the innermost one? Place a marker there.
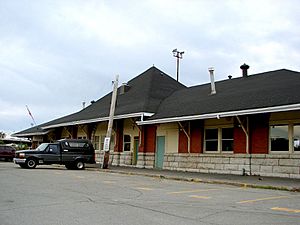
(269, 89)
(145, 94)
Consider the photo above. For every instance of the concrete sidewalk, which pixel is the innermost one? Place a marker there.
(275, 183)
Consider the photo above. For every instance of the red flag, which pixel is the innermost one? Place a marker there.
(30, 115)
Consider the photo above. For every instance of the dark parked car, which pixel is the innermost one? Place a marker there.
(7, 152)
(72, 153)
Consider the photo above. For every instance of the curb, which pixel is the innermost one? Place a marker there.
(198, 180)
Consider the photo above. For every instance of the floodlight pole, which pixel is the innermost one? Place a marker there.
(178, 55)
(110, 125)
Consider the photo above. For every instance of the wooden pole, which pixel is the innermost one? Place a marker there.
(110, 124)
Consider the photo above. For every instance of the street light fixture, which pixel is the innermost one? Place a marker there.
(178, 55)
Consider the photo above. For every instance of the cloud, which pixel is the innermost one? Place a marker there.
(56, 54)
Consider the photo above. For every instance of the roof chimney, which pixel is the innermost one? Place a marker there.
(245, 68)
(212, 81)
(124, 88)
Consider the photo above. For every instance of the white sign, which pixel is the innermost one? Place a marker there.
(106, 144)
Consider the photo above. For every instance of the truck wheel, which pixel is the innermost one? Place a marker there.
(79, 165)
(30, 163)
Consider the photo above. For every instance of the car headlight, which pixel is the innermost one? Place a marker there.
(21, 155)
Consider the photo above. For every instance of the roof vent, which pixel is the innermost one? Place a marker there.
(229, 77)
(124, 88)
(212, 81)
(245, 68)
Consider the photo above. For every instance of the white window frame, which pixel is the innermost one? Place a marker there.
(290, 137)
(219, 150)
(95, 142)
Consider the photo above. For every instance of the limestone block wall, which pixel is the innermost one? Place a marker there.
(279, 165)
(125, 158)
(145, 160)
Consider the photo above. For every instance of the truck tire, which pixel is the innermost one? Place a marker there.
(79, 165)
(31, 163)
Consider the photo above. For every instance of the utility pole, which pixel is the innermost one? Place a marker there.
(178, 55)
(110, 124)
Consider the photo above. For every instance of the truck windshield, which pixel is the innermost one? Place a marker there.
(42, 147)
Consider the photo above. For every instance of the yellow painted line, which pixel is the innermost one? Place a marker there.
(200, 197)
(286, 209)
(144, 188)
(262, 199)
(193, 191)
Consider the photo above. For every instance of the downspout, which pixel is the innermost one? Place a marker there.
(246, 131)
(187, 135)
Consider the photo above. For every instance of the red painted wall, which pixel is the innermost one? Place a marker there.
(260, 140)
(148, 139)
(259, 134)
(182, 142)
(119, 126)
(239, 144)
(196, 137)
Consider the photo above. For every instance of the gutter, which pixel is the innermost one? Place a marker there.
(30, 134)
(223, 114)
(78, 122)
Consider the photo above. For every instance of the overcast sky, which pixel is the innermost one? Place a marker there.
(54, 55)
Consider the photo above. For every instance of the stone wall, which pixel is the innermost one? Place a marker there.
(274, 165)
(116, 158)
(145, 160)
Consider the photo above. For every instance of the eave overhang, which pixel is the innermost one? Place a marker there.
(39, 133)
(101, 119)
(218, 115)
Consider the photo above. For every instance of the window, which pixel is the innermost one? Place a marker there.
(279, 138)
(127, 143)
(296, 141)
(219, 139)
(211, 140)
(96, 142)
(227, 139)
(84, 137)
(54, 149)
(285, 138)
(77, 144)
(102, 142)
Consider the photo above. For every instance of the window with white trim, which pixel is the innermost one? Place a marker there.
(218, 139)
(227, 139)
(279, 135)
(296, 141)
(285, 138)
(211, 140)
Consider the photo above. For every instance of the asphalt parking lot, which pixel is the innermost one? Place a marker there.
(54, 195)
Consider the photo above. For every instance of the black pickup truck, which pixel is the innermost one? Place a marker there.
(72, 153)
